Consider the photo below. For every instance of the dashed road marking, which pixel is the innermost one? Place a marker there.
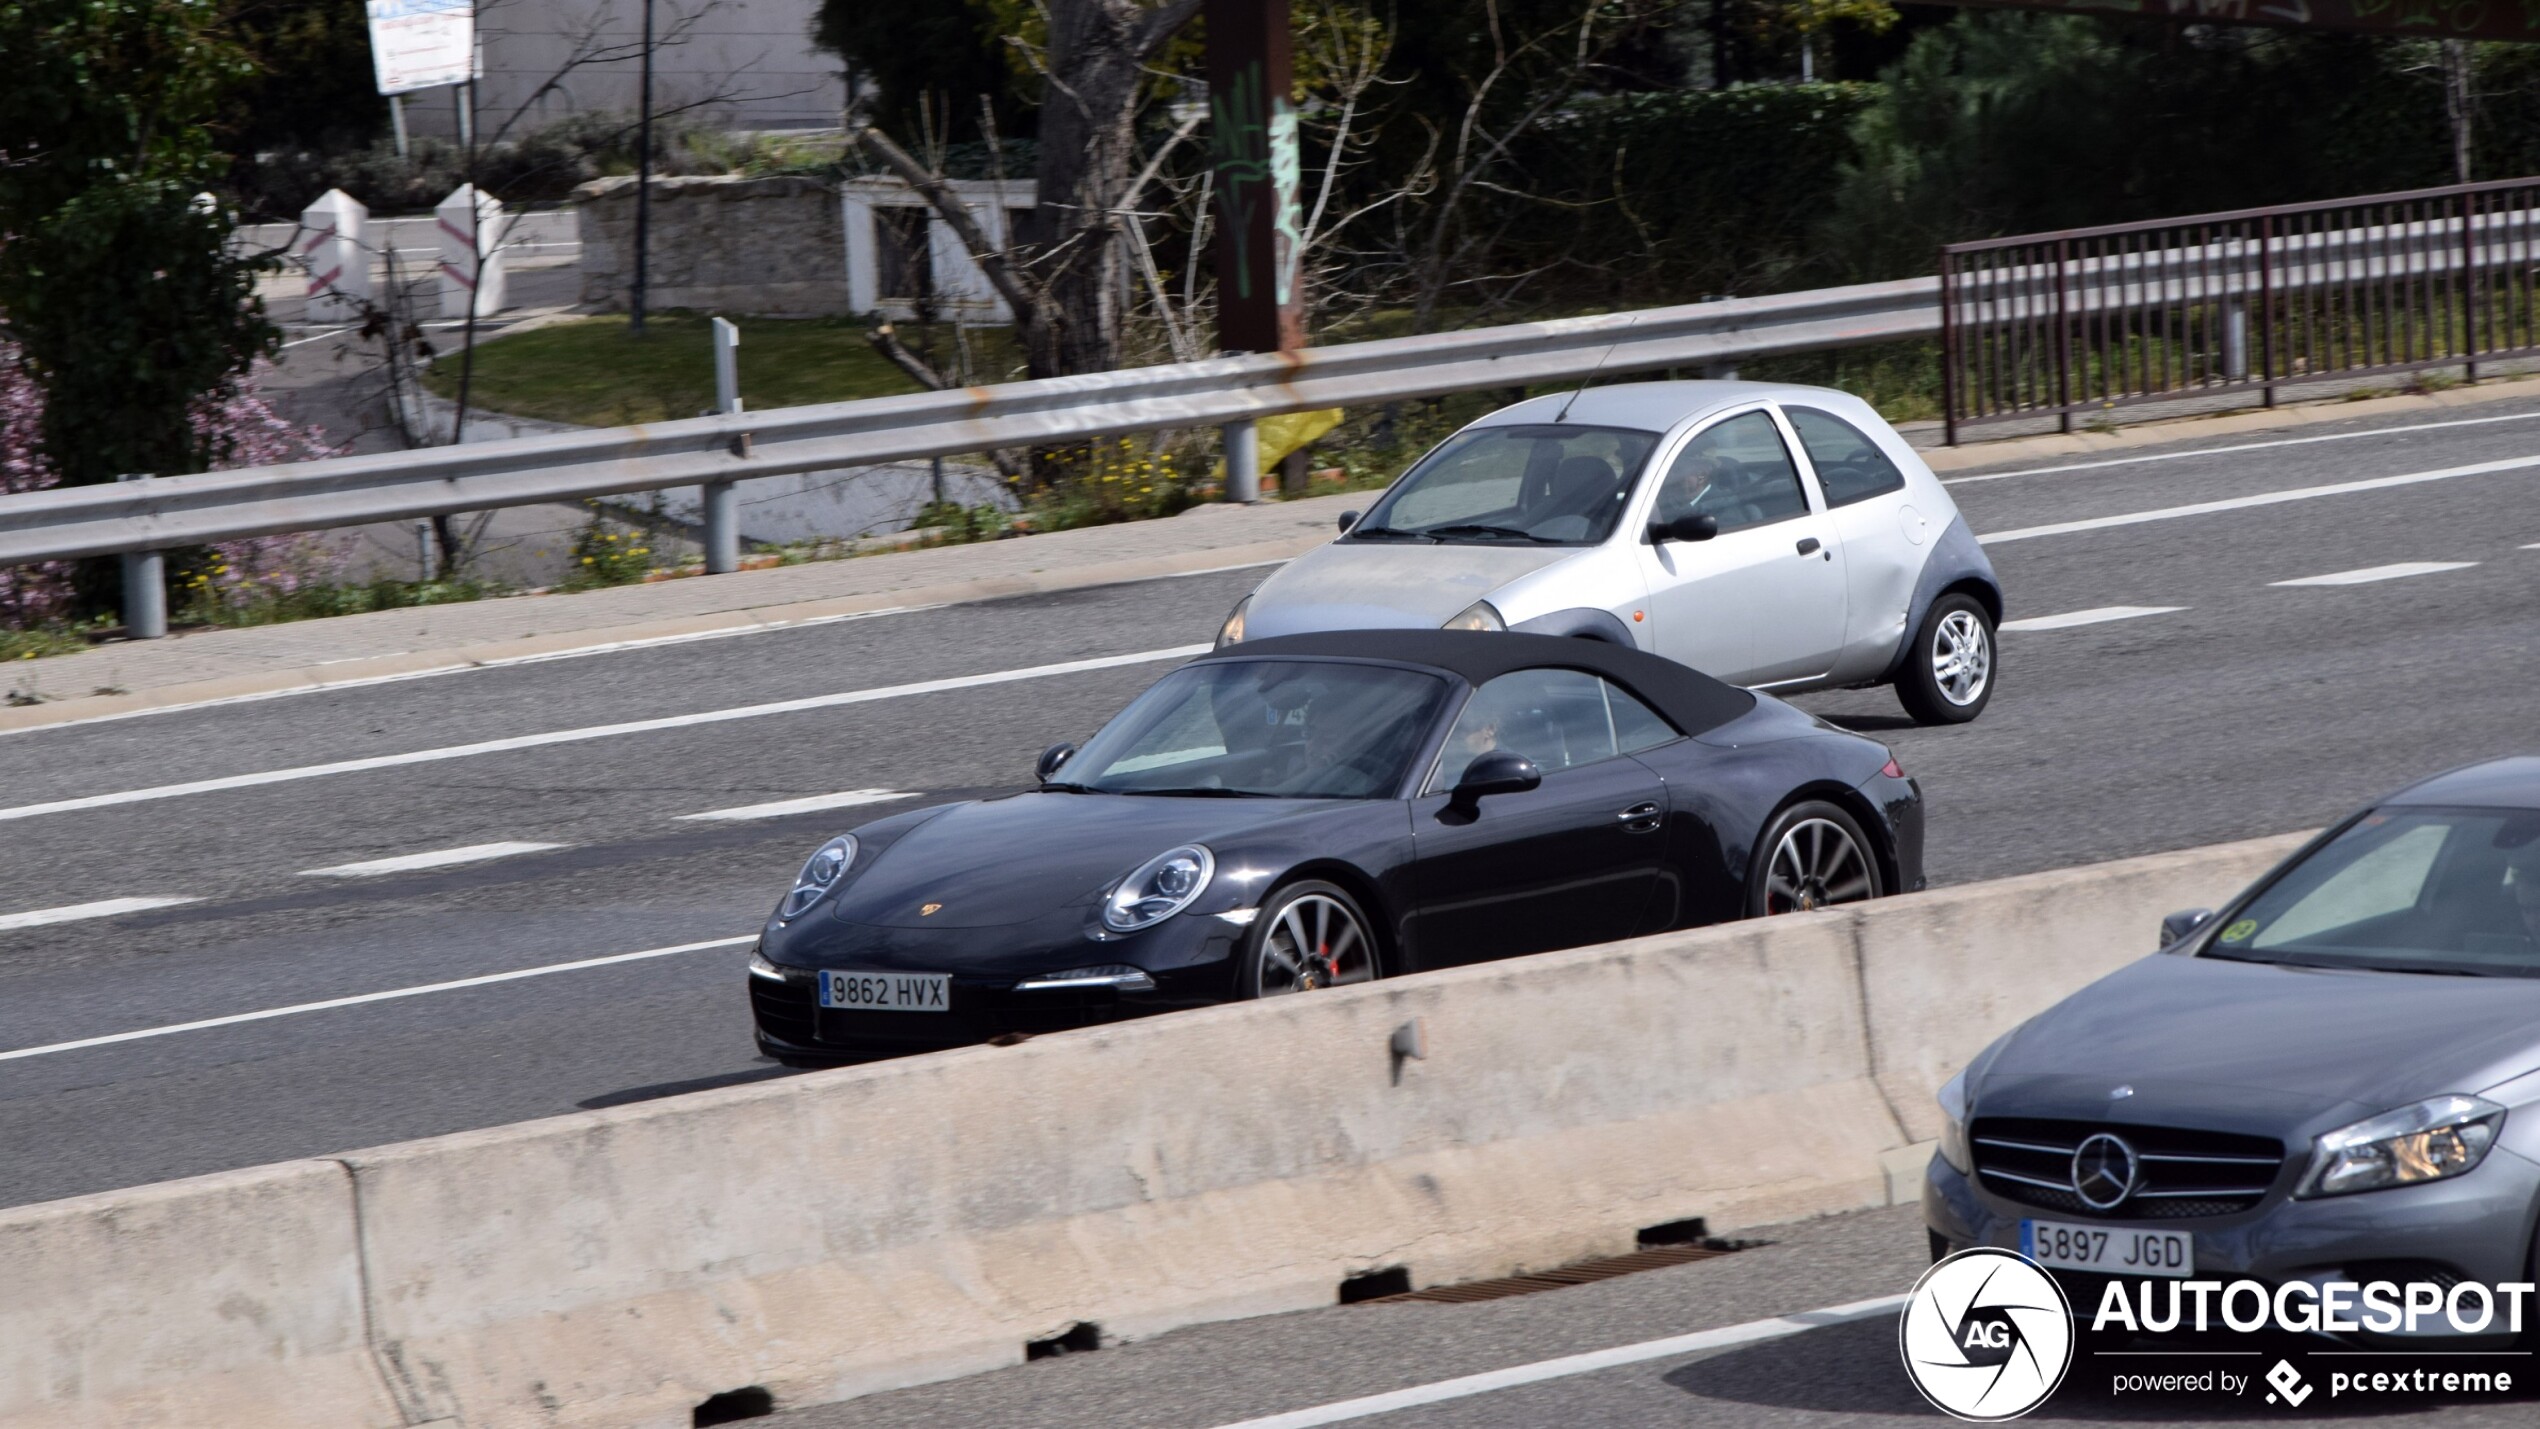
(2369, 574)
(72, 913)
(812, 805)
(2096, 615)
(360, 998)
(437, 858)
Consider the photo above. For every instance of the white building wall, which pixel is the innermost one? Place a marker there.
(963, 292)
(745, 64)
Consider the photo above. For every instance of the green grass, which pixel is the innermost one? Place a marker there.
(592, 372)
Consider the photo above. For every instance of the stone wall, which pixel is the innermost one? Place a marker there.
(731, 245)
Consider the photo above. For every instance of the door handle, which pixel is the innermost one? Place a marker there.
(1640, 819)
(1808, 546)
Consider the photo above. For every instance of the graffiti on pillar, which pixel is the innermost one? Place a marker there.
(1241, 142)
(1253, 142)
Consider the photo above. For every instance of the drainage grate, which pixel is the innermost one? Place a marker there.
(1583, 1273)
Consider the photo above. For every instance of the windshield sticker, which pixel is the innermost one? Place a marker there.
(2241, 931)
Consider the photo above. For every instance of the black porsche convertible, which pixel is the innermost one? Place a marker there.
(1318, 810)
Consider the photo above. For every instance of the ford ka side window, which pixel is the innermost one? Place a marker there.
(1738, 473)
(1849, 465)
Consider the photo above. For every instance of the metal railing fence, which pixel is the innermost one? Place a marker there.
(2092, 319)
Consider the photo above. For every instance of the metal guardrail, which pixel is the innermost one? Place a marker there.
(2051, 324)
(158, 513)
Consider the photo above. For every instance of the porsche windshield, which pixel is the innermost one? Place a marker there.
(1290, 729)
(2407, 890)
(1530, 485)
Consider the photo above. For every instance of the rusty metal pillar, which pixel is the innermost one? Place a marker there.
(1253, 148)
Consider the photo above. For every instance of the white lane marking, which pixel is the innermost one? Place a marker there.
(360, 998)
(2094, 616)
(2263, 498)
(602, 731)
(2369, 574)
(72, 913)
(814, 804)
(2241, 447)
(610, 647)
(1589, 1363)
(438, 858)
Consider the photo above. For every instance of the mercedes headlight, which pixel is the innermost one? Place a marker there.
(1477, 616)
(1163, 886)
(1953, 1124)
(1232, 632)
(2434, 1139)
(821, 873)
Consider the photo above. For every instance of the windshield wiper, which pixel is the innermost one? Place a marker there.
(1476, 528)
(1389, 533)
(1204, 793)
(1061, 786)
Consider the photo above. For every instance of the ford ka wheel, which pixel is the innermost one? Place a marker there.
(1811, 856)
(1950, 673)
(1309, 935)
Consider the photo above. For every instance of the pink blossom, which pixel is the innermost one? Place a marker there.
(240, 427)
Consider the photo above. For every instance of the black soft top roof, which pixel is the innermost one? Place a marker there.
(1692, 701)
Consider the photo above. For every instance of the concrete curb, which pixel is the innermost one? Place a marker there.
(849, 1231)
(2172, 430)
(374, 669)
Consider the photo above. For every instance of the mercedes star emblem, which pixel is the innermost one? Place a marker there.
(2104, 1168)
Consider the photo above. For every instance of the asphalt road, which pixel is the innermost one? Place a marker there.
(2250, 708)
(1841, 1374)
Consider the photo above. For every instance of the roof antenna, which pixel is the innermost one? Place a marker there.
(1599, 367)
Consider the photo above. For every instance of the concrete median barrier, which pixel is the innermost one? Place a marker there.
(842, 1232)
(228, 1299)
(1947, 972)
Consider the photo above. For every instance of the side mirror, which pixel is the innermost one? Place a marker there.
(1348, 519)
(1692, 526)
(1050, 761)
(1502, 771)
(2179, 925)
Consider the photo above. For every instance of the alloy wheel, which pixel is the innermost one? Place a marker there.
(1816, 864)
(1961, 658)
(1316, 941)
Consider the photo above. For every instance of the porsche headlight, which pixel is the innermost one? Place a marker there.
(1163, 886)
(1232, 632)
(2436, 1138)
(1478, 616)
(1953, 1124)
(821, 873)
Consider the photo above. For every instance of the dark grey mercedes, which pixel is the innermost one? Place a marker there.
(2332, 1079)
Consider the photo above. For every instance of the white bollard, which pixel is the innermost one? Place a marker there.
(331, 249)
(469, 225)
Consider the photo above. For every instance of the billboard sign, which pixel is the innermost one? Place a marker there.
(418, 44)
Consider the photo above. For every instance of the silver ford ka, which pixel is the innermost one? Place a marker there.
(1783, 538)
(2334, 1079)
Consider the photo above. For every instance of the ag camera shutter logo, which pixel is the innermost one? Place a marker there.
(1986, 1335)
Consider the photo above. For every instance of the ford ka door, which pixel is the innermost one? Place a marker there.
(1762, 601)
